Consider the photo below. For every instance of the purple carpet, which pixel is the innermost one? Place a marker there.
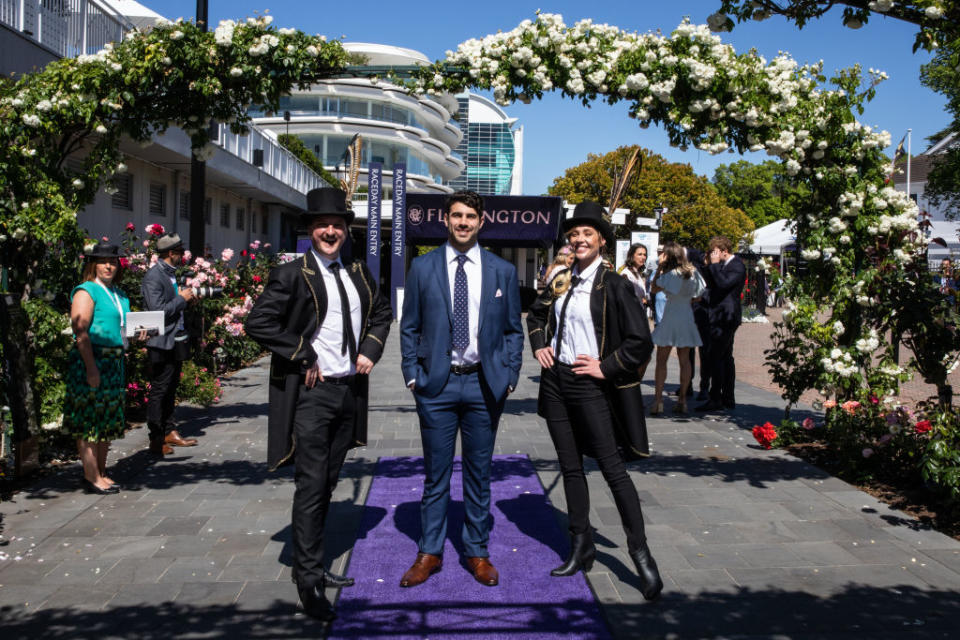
(525, 543)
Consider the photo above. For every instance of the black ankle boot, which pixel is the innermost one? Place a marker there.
(582, 555)
(650, 583)
(315, 603)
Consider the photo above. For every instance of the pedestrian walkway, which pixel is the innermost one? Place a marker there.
(751, 543)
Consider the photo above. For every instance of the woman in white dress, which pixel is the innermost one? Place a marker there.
(635, 270)
(682, 284)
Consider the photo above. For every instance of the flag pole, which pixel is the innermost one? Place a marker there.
(909, 159)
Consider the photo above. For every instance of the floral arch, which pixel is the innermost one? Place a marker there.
(859, 235)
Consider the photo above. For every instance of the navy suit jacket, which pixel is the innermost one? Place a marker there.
(426, 325)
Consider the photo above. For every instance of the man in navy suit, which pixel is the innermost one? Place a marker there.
(725, 275)
(462, 343)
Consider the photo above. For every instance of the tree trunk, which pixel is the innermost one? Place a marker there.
(17, 351)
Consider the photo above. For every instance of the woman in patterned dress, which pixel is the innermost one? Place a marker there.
(96, 393)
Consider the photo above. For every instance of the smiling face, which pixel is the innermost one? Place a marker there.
(640, 258)
(587, 243)
(463, 225)
(327, 234)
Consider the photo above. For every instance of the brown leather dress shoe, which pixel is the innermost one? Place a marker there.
(158, 448)
(483, 572)
(423, 567)
(174, 438)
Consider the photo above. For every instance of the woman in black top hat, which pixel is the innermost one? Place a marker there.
(588, 331)
(96, 391)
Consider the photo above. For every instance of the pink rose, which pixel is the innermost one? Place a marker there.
(808, 424)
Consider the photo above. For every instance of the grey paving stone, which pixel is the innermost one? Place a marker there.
(252, 568)
(135, 570)
(199, 569)
(715, 556)
(697, 581)
(200, 594)
(179, 526)
(143, 595)
(78, 598)
(240, 544)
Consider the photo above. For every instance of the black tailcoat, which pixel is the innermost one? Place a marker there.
(623, 337)
(284, 319)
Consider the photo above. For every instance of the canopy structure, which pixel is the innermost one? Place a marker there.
(770, 240)
(949, 232)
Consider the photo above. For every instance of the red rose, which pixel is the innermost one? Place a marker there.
(243, 253)
(257, 279)
(124, 263)
(130, 227)
(923, 426)
(874, 399)
(765, 435)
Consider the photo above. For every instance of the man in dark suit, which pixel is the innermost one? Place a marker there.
(326, 331)
(166, 352)
(462, 344)
(725, 275)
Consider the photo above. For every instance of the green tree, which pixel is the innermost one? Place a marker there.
(943, 182)
(760, 190)
(695, 211)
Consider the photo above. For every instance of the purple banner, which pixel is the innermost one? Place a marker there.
(374, 196)
(398, 269)
(508, 221)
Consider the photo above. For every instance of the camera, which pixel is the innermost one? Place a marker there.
(207, 292)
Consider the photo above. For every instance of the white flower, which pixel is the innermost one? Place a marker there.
(121, 168)
(236, 71)
(312, 51)
(176, 35)
(19, 233)
(28, 152)
(101, 129)
(44, 106)
(881, 5)
(933, 12)
(166, 61)
(116, 66)
(78, 183)
(224, 32)
(838, 328)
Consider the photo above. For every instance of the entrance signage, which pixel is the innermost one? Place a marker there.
(374, 197)
(397, 234)
(508, 221)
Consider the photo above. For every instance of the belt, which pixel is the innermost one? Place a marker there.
(332, 380)
(464, 369)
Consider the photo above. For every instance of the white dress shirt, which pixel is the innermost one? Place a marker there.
(328, 339)
(471, 266)
(579, 335)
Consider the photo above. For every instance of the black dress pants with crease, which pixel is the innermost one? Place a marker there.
(579, 419)
(323, 428)
(162, 398)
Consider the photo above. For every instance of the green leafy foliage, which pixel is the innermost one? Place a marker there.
(695, 211)
(762, 191)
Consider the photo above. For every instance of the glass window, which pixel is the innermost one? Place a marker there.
(184, 205)
(158, 199)
(123, 198)
(225, 215)
(241, 216)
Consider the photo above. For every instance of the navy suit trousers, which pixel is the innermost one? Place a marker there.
(466, 406)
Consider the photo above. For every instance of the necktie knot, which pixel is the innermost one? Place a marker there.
(335, 266)
(461, 259)
(575, 280)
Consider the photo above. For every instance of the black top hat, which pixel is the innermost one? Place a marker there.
(169, 242)
(591, 213)
(327, 201)
(103, 250)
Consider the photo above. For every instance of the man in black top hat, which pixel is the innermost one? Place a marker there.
(326, 331)
(166, 352)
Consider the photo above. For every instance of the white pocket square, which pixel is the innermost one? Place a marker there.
(498, 294)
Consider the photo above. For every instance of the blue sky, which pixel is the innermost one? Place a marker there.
(559, 133)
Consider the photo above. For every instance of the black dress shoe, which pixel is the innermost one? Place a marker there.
(315, 603)
(730, 405)
(89, 487)
(650, 582)
(709, 406)
(703, 396)
(333, 580)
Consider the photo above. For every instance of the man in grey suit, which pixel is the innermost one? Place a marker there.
(166, 352)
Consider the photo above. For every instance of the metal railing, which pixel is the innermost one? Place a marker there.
(276, 160)
(66, 27)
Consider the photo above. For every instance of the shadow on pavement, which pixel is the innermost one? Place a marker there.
(852, 611)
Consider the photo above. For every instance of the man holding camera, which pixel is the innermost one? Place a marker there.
(166, 352)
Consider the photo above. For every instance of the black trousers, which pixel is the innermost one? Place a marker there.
(723, 370)
(323, 428)
(162, 398)
(580, 423)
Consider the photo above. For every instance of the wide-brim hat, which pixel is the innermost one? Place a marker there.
(591, 213)
(169, 242)
(103, 250)
(327, 201)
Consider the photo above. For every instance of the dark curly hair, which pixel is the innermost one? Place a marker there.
(470, 198)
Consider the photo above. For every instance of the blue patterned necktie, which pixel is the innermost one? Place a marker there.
(461, 307)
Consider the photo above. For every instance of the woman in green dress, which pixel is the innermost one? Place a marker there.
(96, 390)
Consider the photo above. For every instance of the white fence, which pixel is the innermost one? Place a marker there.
(277, 161)
(67, 27)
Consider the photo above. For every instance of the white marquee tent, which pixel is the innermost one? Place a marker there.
(770, 240)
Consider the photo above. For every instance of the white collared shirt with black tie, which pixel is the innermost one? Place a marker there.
(328, 339)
